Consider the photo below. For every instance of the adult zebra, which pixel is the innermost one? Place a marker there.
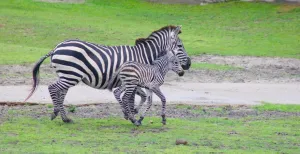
(76, 61)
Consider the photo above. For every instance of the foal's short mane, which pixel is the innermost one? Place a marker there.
(143, 40)
(160, 56)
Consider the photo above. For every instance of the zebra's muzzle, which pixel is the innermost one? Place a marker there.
(181, 73)
(187, 65)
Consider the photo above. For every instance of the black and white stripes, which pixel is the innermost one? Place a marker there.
(76, 60)
(151, 77)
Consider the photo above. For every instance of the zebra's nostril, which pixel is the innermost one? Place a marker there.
(189, 61)
(186, 67)
(181, 73)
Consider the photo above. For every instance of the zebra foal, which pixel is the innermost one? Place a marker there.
(134, 75)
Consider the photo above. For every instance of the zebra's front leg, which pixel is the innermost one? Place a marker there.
(149, 104)
(143, 96)
(158, 92)
(132, 100)
(117, 94)
(129, 89)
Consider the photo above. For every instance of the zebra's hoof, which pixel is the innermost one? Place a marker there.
(53, 116)
(137, 123)
(125, 117)
(164, 122)
(140, 120)
(68, 121)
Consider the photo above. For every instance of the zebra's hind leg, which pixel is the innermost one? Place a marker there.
(62, 110)
(58, 92)
(143, 96)
(117, 94)
(55, 95)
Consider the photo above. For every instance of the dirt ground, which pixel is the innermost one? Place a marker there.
(253, 70)
(104, 110)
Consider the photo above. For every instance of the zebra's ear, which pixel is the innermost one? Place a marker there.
(178, 30)
(175, 32)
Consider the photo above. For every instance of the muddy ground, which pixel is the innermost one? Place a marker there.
(105, 110)
(251, 70)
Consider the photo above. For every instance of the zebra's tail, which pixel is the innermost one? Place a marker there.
(35, 74)
(113, 81)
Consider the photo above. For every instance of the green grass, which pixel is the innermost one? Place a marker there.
(30, 29)
(112, 135)
(278, 107)
(213, 66)
(251, 134)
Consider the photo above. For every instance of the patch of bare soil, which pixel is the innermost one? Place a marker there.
(22, 74)
(104, 110)
(253, 70)
(288, 7)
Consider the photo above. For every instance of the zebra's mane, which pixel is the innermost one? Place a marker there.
(144, 40)
(139, 40)
(170, 27)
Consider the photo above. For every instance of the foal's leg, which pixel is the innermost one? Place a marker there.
(129, 89)
(143, 96)
(132, 102)
(149, 104)
(117, 94)
(163, 101)
(138, 91)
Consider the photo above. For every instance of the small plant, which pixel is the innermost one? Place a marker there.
(183, 106)
(10, 115)
(218, 109)
(72, 108)
(198, 110)
(50, 105)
